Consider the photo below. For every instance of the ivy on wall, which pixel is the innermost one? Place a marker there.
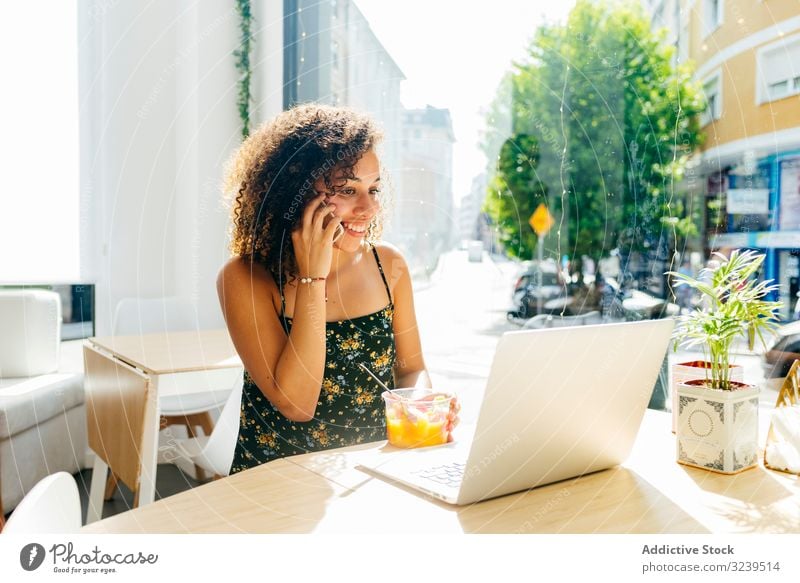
(242, 56)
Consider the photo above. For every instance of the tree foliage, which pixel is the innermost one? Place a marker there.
(516, 173)
(602, 124)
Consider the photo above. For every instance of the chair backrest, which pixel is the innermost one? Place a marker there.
(53, 506)
(153, 315)
(218, 452)
(30, 334)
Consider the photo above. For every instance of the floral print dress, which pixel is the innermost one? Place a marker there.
(350, 409)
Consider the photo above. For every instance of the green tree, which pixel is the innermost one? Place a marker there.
(615, 122)
(516, 192)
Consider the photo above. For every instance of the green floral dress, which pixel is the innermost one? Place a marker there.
(350, 409)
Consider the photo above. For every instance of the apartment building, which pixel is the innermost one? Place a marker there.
(747, 56)
(332, 55)
(425, 221)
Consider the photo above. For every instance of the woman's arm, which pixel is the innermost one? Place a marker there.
(287, 370)
(409, 367)
(272, 359)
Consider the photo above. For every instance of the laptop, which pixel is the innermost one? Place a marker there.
(559, 403)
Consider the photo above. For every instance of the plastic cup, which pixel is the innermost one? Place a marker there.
(416, 417)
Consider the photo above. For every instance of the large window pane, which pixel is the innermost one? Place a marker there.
(39, 200)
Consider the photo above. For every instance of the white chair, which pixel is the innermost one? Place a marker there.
(214, 453)
(136, 316)
(53, 506)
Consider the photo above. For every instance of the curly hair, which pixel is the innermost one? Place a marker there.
(271, 178)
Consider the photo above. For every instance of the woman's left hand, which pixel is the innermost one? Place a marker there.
(452, 417)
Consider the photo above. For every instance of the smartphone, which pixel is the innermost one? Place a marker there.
(339, 228)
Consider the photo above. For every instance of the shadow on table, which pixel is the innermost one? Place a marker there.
(612, 501)
(757, 500)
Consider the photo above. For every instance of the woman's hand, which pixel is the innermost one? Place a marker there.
(313, 241)
(452, 415)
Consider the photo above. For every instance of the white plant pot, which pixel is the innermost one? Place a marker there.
(693, 370)
(717, 430)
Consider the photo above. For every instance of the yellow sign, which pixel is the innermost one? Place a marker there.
(541, 220)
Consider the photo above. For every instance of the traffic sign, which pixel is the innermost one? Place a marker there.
(541, 220)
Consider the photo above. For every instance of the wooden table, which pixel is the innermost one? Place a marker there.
(125, 376)
(325, 492)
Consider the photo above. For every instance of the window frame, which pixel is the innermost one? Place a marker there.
(707, 117)
(792, 80)
(710, 27)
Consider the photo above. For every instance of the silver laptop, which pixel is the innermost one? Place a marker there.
(559, 403)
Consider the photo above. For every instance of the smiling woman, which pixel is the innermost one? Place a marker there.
(311, 295)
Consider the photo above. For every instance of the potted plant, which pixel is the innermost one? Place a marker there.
(717, 416)
(690, 370)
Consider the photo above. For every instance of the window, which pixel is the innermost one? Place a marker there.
(777, 90)
(713, 92)
(39, 200)
(712, 15)
(335, 55)
(779, 70)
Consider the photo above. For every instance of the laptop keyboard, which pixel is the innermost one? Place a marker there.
(448, 474)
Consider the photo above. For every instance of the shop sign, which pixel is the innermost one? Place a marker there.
(748, 201)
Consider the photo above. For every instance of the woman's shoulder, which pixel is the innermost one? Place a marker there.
(393, 262)
(388, 251)
(242, 274)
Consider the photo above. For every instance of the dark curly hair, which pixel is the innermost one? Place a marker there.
(271, 178)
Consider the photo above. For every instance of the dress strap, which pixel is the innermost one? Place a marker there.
(383, 277)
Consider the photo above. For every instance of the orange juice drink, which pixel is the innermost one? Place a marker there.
(416, 417)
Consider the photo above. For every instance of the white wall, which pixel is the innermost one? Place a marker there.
(158, 120)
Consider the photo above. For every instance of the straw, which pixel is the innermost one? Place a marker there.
(413, 416)
(374, 376)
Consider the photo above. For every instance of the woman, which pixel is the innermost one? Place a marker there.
(310, 294)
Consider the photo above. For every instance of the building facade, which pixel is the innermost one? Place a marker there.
(746, 54)
(331, 55)
(425, 224)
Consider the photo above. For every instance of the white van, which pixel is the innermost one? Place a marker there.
(475, 250)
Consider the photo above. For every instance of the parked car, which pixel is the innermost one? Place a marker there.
(527, 274)
(526, 294)
(786, 349)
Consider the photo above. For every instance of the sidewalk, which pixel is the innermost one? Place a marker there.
(461, 313)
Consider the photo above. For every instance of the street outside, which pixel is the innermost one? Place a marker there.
(461, 313)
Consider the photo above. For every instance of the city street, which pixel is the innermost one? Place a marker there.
(462, 313)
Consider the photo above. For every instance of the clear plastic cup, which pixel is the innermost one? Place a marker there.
(416, 417)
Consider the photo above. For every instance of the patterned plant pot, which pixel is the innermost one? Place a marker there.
(717, 430)
(693, 370)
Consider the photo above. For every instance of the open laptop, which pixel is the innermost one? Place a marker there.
(559, 403)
